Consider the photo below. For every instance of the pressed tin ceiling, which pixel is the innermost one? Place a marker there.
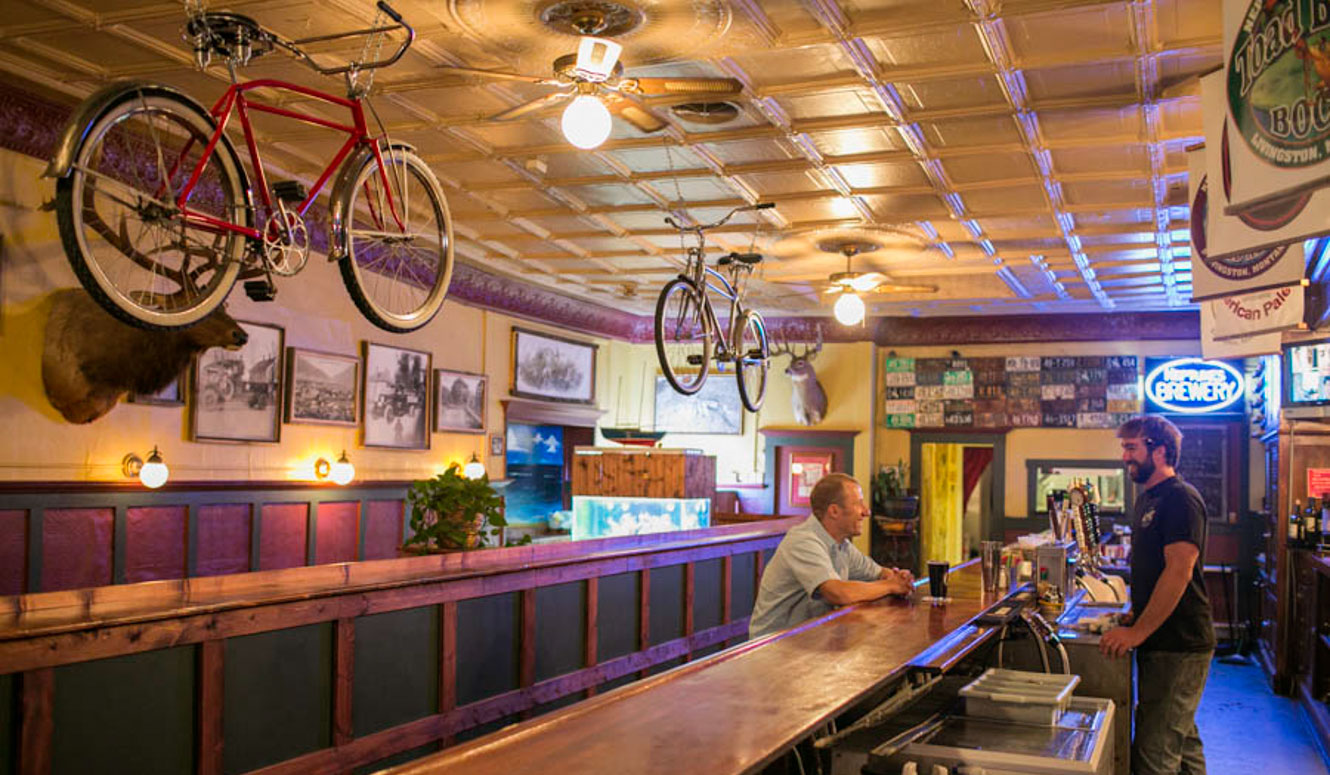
(1023, 156)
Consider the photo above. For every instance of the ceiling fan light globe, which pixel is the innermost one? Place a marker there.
(586, 122)
(849, 309)
(596, 58)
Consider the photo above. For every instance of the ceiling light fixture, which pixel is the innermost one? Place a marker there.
(586, 122)
(596, 58)
(850, 309)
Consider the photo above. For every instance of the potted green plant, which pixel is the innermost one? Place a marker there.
(890, 496)
(451, 512)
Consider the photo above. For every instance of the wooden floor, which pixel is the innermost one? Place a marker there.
(742, 708)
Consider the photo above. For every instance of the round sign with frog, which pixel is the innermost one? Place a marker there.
(1279, 81)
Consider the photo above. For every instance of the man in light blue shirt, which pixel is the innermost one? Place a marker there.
(816, 568)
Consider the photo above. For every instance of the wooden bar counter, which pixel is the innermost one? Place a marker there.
(734, 712)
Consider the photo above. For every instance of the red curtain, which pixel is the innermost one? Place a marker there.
(973, 465)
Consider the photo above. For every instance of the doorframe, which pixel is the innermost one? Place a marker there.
(997, 514)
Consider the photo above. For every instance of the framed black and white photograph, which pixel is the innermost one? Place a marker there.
(459, 401)
(396, 397)
(322, 388)
(236, 395)
(171, 395)
(552, 368)
(716, 408)
(496, 444)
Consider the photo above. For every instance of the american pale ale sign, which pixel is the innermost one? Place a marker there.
(1277, 89)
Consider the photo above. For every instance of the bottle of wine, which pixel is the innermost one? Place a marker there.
(1311, 525)
(1295, 526)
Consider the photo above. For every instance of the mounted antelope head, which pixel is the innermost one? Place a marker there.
(91, 360)
(808, 398)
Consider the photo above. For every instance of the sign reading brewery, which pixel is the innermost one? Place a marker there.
(1192, 386)
(1278, 94)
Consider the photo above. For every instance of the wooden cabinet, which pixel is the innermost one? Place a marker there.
(1285, 602)
(644, 473)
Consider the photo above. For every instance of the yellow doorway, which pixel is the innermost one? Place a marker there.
(943, 533)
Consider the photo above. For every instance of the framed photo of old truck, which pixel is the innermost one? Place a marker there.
(396, 397)
(236, 395)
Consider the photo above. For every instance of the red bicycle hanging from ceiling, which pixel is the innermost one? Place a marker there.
(159, 220)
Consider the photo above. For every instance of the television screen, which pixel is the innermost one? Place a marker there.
(1308, 374)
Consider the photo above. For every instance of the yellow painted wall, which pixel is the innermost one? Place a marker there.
(314, 310)
(1033, 443)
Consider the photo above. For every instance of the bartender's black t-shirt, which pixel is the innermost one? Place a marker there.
(1169, 512)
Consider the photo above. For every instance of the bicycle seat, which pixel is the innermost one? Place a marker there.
(229, 35)
(743, 258)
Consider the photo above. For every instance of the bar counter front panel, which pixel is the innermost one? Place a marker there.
(735, 711)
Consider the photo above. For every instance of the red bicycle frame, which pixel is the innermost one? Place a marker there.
(234, 101)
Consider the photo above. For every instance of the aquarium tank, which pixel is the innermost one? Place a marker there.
(601, 516)
(534, 462)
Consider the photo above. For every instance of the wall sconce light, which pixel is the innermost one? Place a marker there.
(474, 469)
(152, 474)
(341, 472)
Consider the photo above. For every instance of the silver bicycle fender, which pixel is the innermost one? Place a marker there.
(80, 123)
(346, 177)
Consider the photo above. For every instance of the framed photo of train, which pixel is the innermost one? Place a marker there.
(236, 395)
(322, 388)
(396, 397)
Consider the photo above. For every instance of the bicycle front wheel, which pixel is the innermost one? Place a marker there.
(397, 257)
(683, 338)
(752, 356)
(144, 258)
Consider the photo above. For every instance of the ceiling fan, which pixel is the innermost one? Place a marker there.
(849, 286)
(857, 282)
(593, 84)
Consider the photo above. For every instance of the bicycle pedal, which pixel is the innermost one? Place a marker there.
(260, 290)
(290, 191)
(694, 360)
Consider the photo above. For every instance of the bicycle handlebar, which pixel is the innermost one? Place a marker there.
(698, 229)
(294, 45)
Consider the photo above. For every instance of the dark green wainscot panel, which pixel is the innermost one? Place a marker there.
(707, 594)
(131, 714)
(616, 616)
(560, 629)
(487, 647)
(742, 586)
(666, 604)
(396, 669)
(278, 696)
(8, 723)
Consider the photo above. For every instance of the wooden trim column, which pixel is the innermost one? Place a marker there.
(643, 614)
(689, 587)
(212, 679)
(526, 665)
(591, 644)
(36, 721)
(344, 671)
(447, 663)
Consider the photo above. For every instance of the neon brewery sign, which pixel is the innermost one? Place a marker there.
(1193, 386)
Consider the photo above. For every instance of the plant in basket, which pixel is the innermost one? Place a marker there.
(890, 496)
(451, 512)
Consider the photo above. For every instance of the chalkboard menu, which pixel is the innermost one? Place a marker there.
(1011, 392)
(1202, 464)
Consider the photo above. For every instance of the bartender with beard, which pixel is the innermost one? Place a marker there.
(1170, 624)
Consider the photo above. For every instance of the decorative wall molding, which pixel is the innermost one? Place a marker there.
(30, 124)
